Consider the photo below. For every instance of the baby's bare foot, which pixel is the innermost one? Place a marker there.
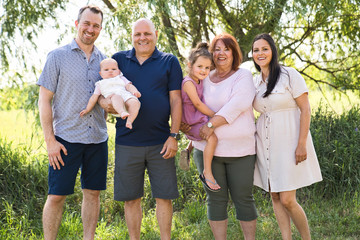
(124, 115)
(128, 124)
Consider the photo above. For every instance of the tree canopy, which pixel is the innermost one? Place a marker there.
(25, 18)
(320, 38)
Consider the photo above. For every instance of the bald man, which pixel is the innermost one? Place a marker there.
(152, 143)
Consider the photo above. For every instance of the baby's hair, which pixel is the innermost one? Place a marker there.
(107, 60)
(201, 50)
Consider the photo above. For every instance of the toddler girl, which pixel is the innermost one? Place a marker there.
(196, 113)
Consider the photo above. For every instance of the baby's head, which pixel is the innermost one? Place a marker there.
(109, 68)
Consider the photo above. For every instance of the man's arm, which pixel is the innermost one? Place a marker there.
(53, 146)
(170, 146)
(106, 104)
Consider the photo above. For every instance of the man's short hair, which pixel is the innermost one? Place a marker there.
(93, 9)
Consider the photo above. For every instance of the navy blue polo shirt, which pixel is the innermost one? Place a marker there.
(158, 75)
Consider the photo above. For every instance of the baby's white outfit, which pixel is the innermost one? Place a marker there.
(115, 85)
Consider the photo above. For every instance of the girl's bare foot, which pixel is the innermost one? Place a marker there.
(210, 180)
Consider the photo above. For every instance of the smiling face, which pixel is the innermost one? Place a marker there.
(88, 27)
(144, 38)
(262, 53)
(200, 69)
(222, 55)
(109, 68)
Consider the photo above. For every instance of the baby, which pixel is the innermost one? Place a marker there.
(122, 93)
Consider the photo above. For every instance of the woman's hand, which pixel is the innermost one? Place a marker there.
(300, 153)
(205, 132)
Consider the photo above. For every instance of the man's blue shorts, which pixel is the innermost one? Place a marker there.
(92, 159)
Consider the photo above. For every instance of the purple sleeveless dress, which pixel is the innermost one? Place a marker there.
(191, 115)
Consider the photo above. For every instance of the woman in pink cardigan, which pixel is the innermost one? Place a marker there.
(229, 91)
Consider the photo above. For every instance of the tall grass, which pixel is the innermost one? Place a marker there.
(22, 187)
(332, 206)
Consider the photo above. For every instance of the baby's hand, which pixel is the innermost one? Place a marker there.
(137, 94)
(83, 112)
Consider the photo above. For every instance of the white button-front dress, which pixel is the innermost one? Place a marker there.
(277, 136)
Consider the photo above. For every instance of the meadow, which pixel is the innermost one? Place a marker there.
(332, 206)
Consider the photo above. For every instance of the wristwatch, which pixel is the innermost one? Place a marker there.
(209, 125)
(175, 135)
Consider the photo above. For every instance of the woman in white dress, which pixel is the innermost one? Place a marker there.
(286, 158)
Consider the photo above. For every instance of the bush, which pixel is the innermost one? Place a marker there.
(19, 97)
(336, 139)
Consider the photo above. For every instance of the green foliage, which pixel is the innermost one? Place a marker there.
(333, 202)
(23, 18)
(336, 139)
(323, 50)
(22, 187)
(19, 97)
(320, 38)
(23, 97)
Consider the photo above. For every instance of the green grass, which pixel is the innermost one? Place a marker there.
(20, 128)
(23, 187)
(336, 101)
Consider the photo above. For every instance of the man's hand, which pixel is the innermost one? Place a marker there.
(53, 149)
(106, 104)
(170, 148)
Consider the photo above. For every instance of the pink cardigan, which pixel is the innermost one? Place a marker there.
(232, 99)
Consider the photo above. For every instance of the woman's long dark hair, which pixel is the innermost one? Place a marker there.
(274, 66)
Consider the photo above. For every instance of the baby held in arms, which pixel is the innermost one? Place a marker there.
(123, 94)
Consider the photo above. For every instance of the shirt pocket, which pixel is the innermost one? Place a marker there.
(279, 89)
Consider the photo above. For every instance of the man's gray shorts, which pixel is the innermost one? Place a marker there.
(130, 165)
